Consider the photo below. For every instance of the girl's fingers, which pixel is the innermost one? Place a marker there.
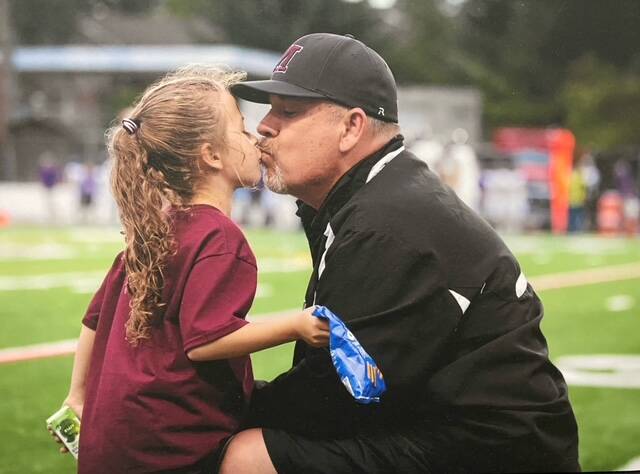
(63, 449)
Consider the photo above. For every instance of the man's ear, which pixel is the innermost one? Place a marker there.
(353, 128)
(210, 157)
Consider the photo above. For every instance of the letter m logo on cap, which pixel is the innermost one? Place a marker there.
(283, 64)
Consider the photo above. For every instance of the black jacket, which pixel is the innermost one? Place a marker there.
(437, 299)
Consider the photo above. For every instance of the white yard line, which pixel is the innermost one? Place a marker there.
(84, 282)
(586, 277)
(68, 346)
(633, 465)
(545, 282)
(38, 351)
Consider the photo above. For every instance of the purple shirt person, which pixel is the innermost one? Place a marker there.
(88, 186)
(49, 174)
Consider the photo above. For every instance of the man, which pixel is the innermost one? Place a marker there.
(427, 287)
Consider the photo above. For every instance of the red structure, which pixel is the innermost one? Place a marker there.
(545, 157)
(610, 213)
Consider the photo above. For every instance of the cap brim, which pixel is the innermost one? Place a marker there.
(259, 91)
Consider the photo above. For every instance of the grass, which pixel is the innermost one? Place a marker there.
(578, 320)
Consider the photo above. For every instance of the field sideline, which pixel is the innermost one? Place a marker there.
(590, 287)
(541, 283)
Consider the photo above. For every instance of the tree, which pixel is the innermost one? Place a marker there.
(519, 53)
(602, 103)
(419, 45)
(44, 22)
(273, 24)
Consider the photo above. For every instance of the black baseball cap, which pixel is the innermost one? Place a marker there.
(333, 67)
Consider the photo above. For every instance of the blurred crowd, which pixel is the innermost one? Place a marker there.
(514, 196)
(603, 190)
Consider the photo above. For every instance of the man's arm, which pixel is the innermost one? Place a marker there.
(396, 304)
(394, 300)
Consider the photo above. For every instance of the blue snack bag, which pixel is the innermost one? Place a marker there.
(356, 369)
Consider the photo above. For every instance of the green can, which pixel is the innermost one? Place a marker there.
(66, 425)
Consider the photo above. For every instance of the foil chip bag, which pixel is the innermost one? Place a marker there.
(66, 425)
(356, 369)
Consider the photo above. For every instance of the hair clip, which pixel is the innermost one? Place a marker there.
(131, 126)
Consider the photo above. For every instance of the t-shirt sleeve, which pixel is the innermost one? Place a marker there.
(92, 314)
(217, 296)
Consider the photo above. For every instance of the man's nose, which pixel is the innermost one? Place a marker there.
(266, 129)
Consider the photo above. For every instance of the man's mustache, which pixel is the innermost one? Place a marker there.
(264, 146)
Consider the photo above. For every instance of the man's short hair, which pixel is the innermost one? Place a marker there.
(378, 127)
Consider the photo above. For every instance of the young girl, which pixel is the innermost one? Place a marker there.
(162, 375)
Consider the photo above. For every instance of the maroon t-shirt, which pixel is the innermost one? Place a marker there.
(149, 408)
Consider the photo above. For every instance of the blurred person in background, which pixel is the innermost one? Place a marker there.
(427, 148)
(428, 288)
(577, 196)
(50, 175)
(458, 168)
(161, 375)
(87, 187)
(504, 199)
(106, 208)
(626, 184)
(592, 180)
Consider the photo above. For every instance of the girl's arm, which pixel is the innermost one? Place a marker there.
(261, 335)
(82, 358)
(75, 398)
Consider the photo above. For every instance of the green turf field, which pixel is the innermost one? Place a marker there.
(47, 277)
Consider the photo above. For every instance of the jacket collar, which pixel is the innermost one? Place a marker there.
(314, 222)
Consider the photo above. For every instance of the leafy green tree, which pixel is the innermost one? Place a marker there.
(602, 103)
(502, 45)
(273, 24)
(537, 62)
(420, 44)
(415, 36)
(518, 52)
(44, 22)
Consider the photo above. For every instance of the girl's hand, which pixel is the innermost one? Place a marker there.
(314, 331)
(76, 404)
(63, 449)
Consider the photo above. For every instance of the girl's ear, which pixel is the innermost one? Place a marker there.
(210, 157)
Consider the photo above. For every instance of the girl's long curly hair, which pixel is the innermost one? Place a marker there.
(157, 168)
